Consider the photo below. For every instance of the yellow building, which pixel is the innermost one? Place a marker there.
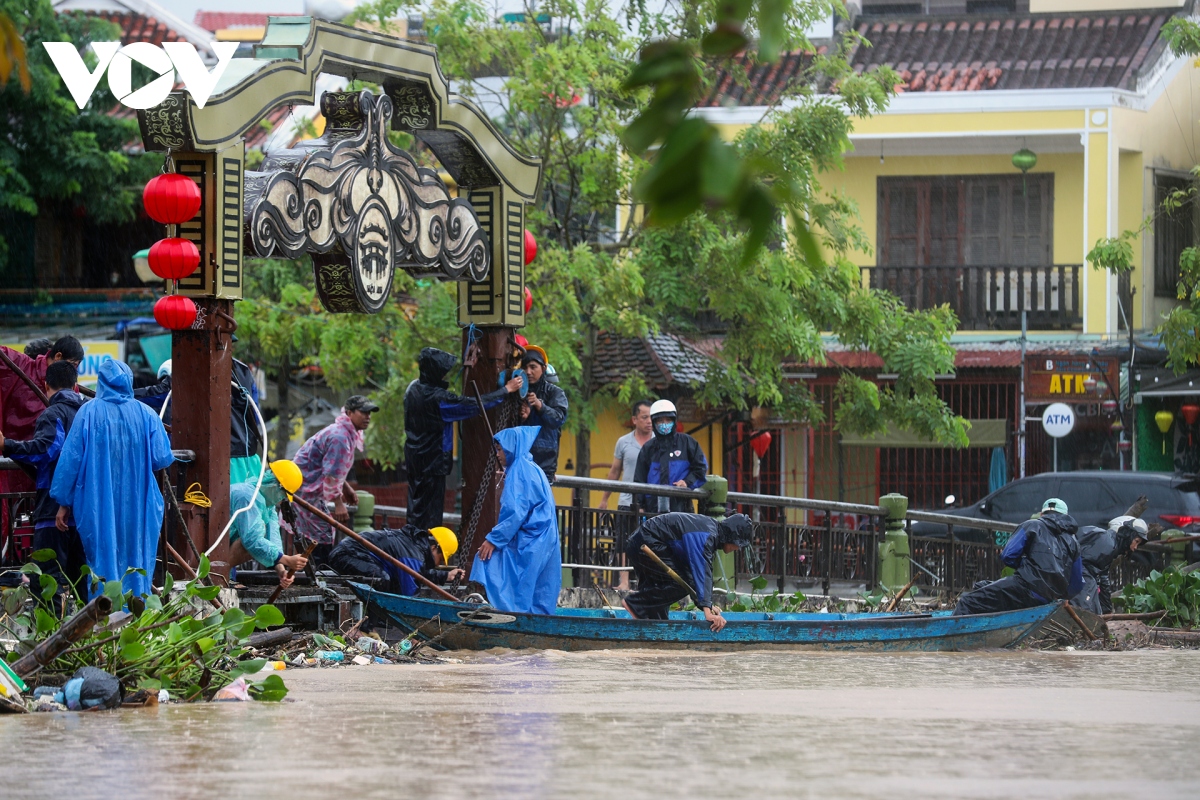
(1104, 117)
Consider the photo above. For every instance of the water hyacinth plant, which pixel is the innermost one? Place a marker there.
(1172, 591)
(175, 641)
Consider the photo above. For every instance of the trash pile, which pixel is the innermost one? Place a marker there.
(335, 650)
(122, 649)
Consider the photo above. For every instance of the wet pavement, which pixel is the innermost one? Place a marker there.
(650, 725)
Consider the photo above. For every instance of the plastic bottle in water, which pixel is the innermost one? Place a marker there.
(331, 655)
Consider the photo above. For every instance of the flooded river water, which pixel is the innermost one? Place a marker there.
(651, 725)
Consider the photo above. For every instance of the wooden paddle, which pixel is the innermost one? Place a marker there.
(670, 572)
(291, 573)
(418, 577)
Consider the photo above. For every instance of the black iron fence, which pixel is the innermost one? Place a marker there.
(989, 297)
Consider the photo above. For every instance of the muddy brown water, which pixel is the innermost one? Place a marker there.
(647, 725)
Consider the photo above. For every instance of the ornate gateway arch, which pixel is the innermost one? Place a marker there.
(361, 207)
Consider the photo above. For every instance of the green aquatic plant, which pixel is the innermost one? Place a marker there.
(175, 641)
(769, 603)
(1174, 592)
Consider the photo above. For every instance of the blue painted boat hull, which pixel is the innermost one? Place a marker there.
(469, 627)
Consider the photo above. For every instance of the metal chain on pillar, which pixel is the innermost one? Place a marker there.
(508, 411)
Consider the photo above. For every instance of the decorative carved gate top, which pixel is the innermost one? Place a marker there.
(361, 206)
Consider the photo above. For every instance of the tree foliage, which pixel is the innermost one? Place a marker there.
(50, 151)
(651, 219)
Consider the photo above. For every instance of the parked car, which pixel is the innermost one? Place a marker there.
(1093, 498)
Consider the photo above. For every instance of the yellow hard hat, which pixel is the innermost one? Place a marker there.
(288, 475)
(446, 540)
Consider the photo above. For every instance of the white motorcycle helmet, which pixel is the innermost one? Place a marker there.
(1140, 529)
(662, 407)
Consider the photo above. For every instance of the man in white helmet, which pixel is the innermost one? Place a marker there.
(1099, 548)
(671, 458)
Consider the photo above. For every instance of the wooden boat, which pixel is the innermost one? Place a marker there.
(469, 626)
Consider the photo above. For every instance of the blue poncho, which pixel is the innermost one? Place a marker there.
(525, 572)
(105, 474)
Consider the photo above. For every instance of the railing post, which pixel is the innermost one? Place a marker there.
(827, 548)
(895, 569)
(952, 583)
(577, 503)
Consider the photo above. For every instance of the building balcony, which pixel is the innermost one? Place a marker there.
(989, 297)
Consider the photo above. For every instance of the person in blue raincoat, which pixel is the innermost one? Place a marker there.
(105, 478)
(520, 561)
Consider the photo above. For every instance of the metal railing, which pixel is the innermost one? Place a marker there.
(989, 296)
(837, 543)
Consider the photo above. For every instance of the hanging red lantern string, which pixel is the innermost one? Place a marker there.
(175, 312)
(173, 259)
(530, 248)
(171, 198)
(528, 300)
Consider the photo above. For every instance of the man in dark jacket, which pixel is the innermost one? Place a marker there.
(430, 409)
(545, 405)
(244, 463)
(686, 543)
(671, 458)
(1045, 555)
(410, 545)
(1099, 548)
(41, 453)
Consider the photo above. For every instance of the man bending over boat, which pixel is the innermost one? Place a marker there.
(1045, 555)
(422, 550)
(519, 564)
(686, 543)
(1099, 548)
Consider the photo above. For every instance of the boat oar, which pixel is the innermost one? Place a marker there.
(20, 373)
(670, 572)
(900, 596)
(291, 573)
(1087, 632)
(418, 577)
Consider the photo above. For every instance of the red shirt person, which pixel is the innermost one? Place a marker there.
(20, 406)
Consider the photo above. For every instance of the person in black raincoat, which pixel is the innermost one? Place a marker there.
(545, 406)
(430, 409)
(1099, 548)
(1045, 555)
(410, 545)
(41, 454)
(671, 458)
(686, 543)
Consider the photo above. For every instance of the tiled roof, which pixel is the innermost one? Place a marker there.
(223, 20)
(749, 83)
(664, 360)
(139, 28)
(1044, 51)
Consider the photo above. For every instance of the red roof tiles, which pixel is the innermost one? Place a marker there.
(1041, 52)
(222, 20)
(139, 27)
(749, 83)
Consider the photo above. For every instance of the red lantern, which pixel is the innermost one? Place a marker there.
(171, 198)
(173, 259)
(1190, 413)
(528, 300)
(530, 248)
(759, 443)
(175, 312)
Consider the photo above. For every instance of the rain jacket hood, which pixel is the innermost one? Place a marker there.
(115, 384)
(435, 365)
(517, 444)
(524, 574)
(105, 475)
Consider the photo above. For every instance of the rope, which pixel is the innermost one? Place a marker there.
(196, 497)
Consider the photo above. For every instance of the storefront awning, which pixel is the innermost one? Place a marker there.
(1187, 384)
(983, 433)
